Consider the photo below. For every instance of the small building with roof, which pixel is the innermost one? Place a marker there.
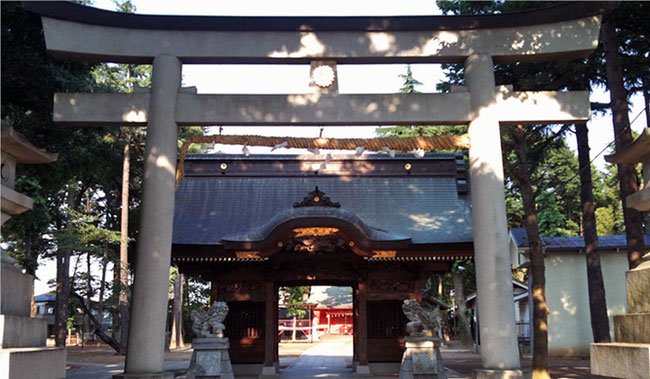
(567, 295)
(45, 305)
(333, 312)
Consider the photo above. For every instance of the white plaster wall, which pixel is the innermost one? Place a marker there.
(515, 258)
(512, 249)
(569, 325)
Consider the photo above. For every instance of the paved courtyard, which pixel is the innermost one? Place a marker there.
(331, 358)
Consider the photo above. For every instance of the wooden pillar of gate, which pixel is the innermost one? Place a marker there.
(361, 329)
(270, 329)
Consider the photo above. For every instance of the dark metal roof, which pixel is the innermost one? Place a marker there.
(89, 15)
(520, 236)
(428, 209)
(45, 297)
(617, 241)
(577, 242)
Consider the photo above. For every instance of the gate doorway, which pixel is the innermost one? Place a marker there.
(316, 335)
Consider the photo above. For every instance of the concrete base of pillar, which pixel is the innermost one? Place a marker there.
(159, 375)
(246, 369)
(362, 370)
(33, 362)
(621, 360)
(384, 368)
(485, 373)
(269, 372)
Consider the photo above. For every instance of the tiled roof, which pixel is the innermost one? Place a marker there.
(428, 209)
(577, 242)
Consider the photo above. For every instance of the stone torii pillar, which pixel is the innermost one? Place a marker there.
(146, 344)
(499, 352)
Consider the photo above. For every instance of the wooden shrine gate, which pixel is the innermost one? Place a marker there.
(290, 239)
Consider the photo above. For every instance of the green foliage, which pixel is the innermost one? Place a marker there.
(553, 168)
(409, 82)
(30, 225)
(90, 159)
(295, 295)
(189, 131)
(558, 186)
(609, 220)
(86, 158)
(196, 296)
(111, 77)
(551, 222)
(124, 6)
(431, 285)
(84, 233)
(558, 164)
(416, 130)
(633, 34)
(609, 209)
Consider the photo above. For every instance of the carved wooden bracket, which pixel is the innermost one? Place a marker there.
(316, 198)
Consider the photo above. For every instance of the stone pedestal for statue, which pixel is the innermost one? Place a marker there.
(422, 359)
(22, 339)
(210, 359)
(629, 356)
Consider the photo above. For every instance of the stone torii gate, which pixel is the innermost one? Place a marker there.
(80, 33)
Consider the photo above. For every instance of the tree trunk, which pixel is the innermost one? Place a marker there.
(123, 263)
(89, 294)
(115, 311)
(646, 98)
(597, 301)
(536, 255)
(102, 287)
(62, 296)
(459, 297)
(623, 137)
(63, 278)
(176, 339)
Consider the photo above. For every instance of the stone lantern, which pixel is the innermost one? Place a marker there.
(22, 338)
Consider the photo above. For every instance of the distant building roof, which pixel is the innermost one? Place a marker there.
(520, 236)
(226, 195)
(562, 243)
(45, 297)
(331, 297)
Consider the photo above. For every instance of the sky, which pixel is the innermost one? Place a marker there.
(228, 79)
